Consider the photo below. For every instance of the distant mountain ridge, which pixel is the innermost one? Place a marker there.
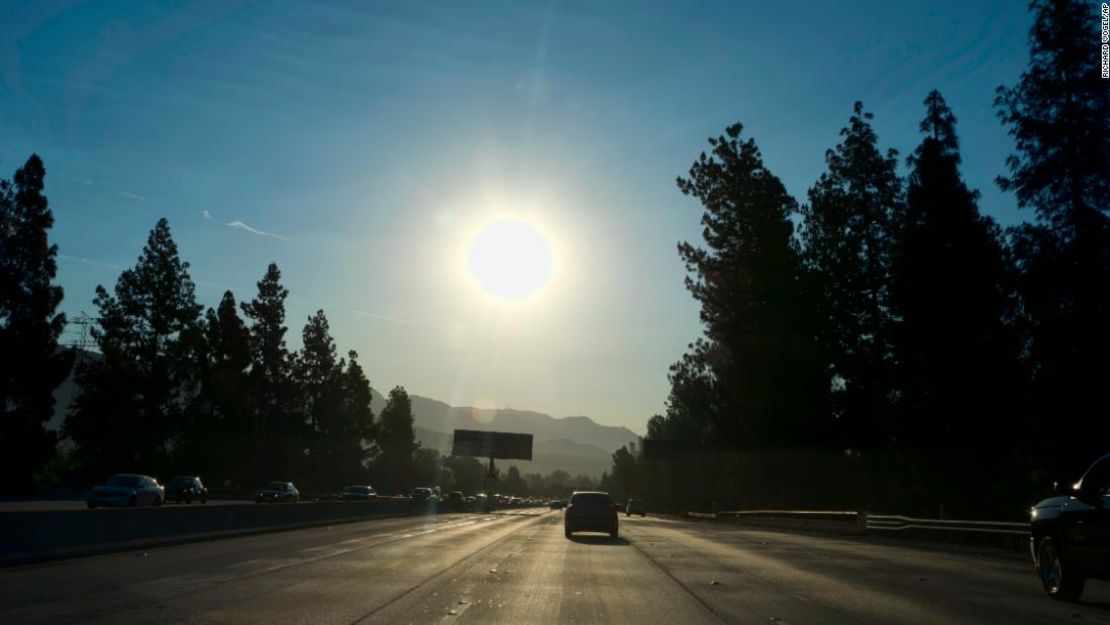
(574, 444)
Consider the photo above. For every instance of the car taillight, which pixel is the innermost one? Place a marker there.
(612, 507)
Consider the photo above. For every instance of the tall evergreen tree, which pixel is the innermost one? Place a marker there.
(767, 385)
(351, 429)
(219, 423)
(31, 366)
(132, 399)
(847, 234)
(278, 423)
(1059, 116)
(956, 353)
(396, 442)
(317, 375)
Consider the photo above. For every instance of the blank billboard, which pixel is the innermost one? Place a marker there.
(506, 445)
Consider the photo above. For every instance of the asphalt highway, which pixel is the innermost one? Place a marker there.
(516, 567)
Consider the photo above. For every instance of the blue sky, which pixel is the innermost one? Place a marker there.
(363, 144)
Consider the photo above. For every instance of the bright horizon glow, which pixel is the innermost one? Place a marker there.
(510, 259)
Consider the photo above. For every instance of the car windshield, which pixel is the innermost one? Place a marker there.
(126, 481)
(275, 486)
(181, 481)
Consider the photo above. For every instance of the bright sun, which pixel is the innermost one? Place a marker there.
(510, 259)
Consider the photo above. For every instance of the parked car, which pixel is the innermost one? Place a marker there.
(186, 488)
(357, 493)
(590, 511)
(1070, 534)
(127, 489)
(277, 492)
(635, 506)
(557, 504)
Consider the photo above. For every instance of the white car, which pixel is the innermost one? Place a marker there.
(127, 489)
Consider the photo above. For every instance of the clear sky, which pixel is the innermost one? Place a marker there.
(364, 145)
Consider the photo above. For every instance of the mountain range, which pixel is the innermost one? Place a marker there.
(577, 445)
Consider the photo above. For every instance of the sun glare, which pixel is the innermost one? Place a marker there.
(510, 259)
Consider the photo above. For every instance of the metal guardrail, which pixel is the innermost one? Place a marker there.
(864, 522)
(841, 515)
(896, 523)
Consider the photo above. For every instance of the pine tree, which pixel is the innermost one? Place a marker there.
(956, 354)
(31, 366)
(514, 483)
(218, 426)
(847, 234)
(352, 428)
(278, 423)
(131, 401)
(1059, 116)
(317, 375)
(396, 442)
(759, 355)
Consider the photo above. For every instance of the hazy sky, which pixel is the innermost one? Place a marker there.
(363, 148)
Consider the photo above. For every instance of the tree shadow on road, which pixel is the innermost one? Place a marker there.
(603, 541)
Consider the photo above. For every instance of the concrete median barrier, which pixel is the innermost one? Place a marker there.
(31, 536)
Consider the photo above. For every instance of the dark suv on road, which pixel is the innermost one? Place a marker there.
(590, 511)
(1070, 539)
(186, 488)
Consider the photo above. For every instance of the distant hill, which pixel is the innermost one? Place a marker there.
(547, 456)
(437, 416)
(573, 444)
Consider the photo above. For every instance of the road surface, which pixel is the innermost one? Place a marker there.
(516, 567)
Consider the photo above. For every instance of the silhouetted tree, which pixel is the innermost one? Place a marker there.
(426, 468)
(957, 355)
(32, 365)
(513, 484)
(758, 360)
(625, 479)
(1059, 116)
(469, 474)
(348, 432)
(847, 232)
(220, 424)
(317, 374)
(396, 443)
(131, 401)
(278, 424)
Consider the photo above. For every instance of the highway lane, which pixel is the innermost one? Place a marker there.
(516, 567)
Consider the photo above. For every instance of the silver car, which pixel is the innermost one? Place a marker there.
(127, 489)
(357, 493)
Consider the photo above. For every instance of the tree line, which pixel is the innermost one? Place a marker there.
(173, 388)
(884, 344)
